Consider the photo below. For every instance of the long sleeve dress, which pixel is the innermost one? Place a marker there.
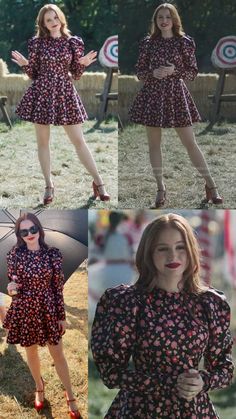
(52, 98)
(165, 102)
(34, 312)
(164, 340)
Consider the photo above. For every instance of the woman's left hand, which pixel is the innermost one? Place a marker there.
(88, 58)
(170, 69)
(189, 384)
(62, 326)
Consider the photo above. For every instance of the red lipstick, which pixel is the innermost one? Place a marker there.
(173, 265)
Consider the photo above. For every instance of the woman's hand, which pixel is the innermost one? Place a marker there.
(88, 58)
(19, 59)
(62, 326)
(189, 384)
(164, 71)
(12, 288)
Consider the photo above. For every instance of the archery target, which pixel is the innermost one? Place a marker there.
(108, 55)
(224, 54)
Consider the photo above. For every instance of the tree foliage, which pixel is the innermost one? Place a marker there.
(93, 20)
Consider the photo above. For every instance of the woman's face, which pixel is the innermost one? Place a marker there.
(170, 255)
(29, 232)
(164, 20)
(52, 22)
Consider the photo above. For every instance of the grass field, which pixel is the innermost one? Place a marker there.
(21, 181)
(16, 384)
(185, 187)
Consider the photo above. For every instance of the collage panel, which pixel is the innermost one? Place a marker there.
(43, 313)
(161, 287)
(177, 103)
(58, 103)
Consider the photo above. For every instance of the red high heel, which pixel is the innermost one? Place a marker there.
(160, 202)
(74, 414)
(48, 195)
(39, 405)
(103, 197)
(217, 199)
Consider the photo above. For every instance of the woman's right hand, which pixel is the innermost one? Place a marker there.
(160, 72)
(19, 59)
(12, 288)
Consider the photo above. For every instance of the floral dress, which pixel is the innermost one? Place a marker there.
(166, 102)
(166, 334)
(34, 312)
(52, 98)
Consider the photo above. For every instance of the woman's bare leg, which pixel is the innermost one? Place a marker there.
(62, 369)
(187, 137)
(34, 366)
(43, 136)
(155, 155)
(76, 136)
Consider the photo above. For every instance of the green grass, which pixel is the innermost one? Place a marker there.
(21, 180)
(185, 187)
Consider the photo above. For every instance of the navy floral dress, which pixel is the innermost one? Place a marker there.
(34, 312)
(166, 334)
(52, 98)
(166, 102)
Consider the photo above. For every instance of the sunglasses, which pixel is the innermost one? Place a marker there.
(25, 232)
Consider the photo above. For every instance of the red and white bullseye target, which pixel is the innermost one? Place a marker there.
(224, 54)
(108, 55)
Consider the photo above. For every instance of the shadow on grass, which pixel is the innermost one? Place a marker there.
(213, 130)
(18, 383)
(225, 398)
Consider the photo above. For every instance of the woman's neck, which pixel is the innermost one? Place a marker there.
(167, 35)
(33, 247)
(168, 285)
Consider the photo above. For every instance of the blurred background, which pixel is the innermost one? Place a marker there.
(113, 241)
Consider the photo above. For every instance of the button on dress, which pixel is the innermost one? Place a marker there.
(166, 334)
(52, 98)
(167, 102)
(34, 312)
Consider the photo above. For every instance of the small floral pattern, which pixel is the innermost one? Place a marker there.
(52, 98)
(167, 102)
(166, 334)
(34, 312)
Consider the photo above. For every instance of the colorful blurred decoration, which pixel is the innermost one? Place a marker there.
(204, 240)
(224, 53)
(108, 54)
(65, 229)
(230, 246)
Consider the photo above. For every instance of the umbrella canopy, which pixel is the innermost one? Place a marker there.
(65, 229)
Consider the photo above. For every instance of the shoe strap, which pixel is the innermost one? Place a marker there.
(39, 391)
(72, 400)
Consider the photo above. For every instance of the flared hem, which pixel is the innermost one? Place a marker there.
(171, 125)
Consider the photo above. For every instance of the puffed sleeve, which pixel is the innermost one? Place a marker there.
(11, 263)
(143, 64)
(57, 281)
(218, 363)
(114, 340)
(187, 68)
(32, 69)
(77, 46)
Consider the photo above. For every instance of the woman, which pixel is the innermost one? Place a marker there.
(37, 315)
(52, 98)
(167, 322)
(167, 57)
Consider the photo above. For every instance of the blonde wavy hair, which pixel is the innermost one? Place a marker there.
(144, 256)
(177, 25)
(41, 30)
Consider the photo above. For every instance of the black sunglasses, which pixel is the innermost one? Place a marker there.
(25, 232)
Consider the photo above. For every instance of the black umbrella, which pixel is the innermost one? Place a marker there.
(65, 229)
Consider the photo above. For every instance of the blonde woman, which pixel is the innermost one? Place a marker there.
(167, 322)
(167, 57)
(52, 99)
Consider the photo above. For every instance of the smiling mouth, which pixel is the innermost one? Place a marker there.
(173, 265)
(55, 26)
(31, 238)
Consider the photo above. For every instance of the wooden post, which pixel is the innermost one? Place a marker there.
(3, 100)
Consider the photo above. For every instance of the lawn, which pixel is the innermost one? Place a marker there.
(185, 187)
(21, 181)
(16, 384)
